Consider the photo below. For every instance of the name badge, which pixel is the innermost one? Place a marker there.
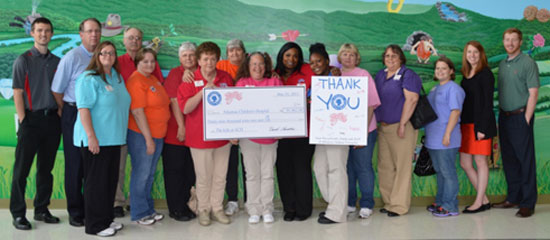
(249, 86)
(301, 84)
(397, 77)
(109, 88)
(199, 83)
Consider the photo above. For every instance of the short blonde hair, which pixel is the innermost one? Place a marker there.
(349, 47)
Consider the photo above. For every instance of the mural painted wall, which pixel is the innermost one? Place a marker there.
(266, 25)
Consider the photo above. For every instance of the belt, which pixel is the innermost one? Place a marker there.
(386, 124)
(43, 112)
(72, 104)
(514, 112)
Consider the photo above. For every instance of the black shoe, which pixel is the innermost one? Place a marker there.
(118, 212)
(393, 214)
(487, 206)
(301, 218)
(383, 210)
(76, 221)
(325, 220)
(46, 217)
(22, 223)
(179, 216)
(128, 208)
(479, 209)
(289, 216)
(322, 214)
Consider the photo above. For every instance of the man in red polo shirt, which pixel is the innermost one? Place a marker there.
(132, 42)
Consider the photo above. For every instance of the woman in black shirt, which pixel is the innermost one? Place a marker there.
(478, 123)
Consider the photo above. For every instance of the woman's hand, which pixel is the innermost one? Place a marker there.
(480, 135)
(150, 146)
(446, 140)
(188, 76)
(401, 131)
(181, 134)
(93, 145)
(335, 71)
(358, 147)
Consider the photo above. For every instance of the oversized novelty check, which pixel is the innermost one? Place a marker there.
(254, 112)
(339, 110)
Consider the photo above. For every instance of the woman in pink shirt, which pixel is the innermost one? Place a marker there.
(258, 154)
(360, 157)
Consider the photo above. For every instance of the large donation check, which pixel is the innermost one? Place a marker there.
(254, 112)
(339, 110)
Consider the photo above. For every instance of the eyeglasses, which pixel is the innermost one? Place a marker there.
(90, 31)
(132, 38)
(107, 53)
(391, 56)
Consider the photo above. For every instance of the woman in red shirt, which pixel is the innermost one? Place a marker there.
(210, 158)
(294, 154)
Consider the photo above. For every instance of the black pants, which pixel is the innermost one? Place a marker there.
(232, 178)
(100, 182)
(517, 145)
(294, 175)
(73, 164)
(179, 177)
(39, 135)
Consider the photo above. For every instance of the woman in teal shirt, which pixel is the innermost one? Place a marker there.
(100, 129)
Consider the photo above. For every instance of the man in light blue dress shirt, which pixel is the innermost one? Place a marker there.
(63, 88)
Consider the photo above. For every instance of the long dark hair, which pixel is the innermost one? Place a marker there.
(95, 65)
(244, 69)
(280, 67)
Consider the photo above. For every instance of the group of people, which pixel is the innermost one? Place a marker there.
(107, 106)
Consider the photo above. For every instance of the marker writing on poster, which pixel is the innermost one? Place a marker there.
(339, 101)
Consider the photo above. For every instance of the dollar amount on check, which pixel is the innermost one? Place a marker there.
(254, 112)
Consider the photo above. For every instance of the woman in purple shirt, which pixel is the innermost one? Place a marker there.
(443, 137)
(398, 88)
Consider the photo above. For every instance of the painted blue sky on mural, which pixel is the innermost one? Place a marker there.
(509, 9)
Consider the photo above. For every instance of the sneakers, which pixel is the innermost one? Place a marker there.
(107, 232)
(231, 208)
(204, 218)
(441, 212)
(365, 213)
(116, 226)
(157, 216)
(351, 209)
(146, 221)
(254, 219)
(432, 207)
(268, 218)
(220, 217)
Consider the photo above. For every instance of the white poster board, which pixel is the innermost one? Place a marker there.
(254, 112)
(339, 110)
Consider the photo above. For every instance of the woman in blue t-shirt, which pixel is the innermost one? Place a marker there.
(443, 137)
(100, 130)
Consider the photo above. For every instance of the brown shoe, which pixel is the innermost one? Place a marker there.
(525, 212)
(504, 204)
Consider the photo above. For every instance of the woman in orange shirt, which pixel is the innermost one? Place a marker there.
(147, 126)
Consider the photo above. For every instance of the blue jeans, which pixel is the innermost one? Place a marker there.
(360, 171)
(444, 162)
(143, 174)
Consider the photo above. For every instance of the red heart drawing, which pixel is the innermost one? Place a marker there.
(291, 35)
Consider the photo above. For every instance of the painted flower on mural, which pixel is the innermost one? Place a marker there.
(543, 15)
(538, 40)
(530, 13)
(537, 43)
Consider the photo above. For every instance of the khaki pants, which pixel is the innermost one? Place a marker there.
(395, 156)
(332, 178)
(210, 170)
(259, 160)
(120, 199)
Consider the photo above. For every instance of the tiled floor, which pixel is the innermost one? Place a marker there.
(418, 224)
